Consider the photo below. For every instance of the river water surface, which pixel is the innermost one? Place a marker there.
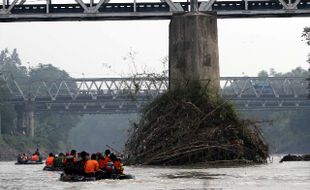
(275, 175)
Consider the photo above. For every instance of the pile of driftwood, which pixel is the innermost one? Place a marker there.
(191, 125)
(291, 157)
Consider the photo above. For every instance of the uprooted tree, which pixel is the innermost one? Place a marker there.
(189, 125)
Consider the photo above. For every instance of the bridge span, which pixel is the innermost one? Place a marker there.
(49, 10)
(126, 95)
(129, 95)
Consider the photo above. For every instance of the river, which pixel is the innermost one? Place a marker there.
(274, 175)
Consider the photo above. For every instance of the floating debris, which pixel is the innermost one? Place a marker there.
(192, 125)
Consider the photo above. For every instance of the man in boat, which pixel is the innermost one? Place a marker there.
(24, 157)
(91, 166)
(108, 164)
(69, 162)
(80, 164)
(117, 165)
(71, 158)
(50, 160)
(37, 152)
(101, 161)
(35, 157)
(59, 160)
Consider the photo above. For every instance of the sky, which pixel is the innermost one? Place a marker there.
(102, 48)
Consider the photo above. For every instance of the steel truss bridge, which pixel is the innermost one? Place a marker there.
(125, 95)
(70, 10)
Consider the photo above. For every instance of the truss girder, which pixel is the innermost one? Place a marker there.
(49, 10)
(132, 93)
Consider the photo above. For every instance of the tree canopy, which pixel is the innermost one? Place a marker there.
(52, 128)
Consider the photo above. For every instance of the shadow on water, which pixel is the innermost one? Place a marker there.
(192, 175)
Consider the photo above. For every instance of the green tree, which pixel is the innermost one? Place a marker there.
(54, 127)
(290, 131)
(7, 111)
(263, 73)
(9, 64)
(306, 36)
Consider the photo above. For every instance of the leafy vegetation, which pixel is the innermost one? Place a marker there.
(306, 37)
(290, 131)
(51, 129)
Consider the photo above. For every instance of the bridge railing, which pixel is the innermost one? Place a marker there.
(258, 87)
(24, 10)
(231, 87)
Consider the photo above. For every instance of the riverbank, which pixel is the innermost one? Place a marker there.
(11, 146)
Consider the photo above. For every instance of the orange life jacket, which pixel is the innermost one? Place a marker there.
(102, 163)
(35, 157)
(91, 166)
(107, 159)
(119, 166)
(49, 161)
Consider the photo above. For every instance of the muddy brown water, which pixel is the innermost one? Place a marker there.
(275, 175)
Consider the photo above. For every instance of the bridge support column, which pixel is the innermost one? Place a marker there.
(25, 120)
(193, 49)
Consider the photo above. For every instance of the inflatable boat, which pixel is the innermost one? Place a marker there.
(28, 162)
(80, 178)
(48, 168)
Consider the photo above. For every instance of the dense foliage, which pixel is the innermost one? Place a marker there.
(51, 128)
(306, 37)
(289, 131)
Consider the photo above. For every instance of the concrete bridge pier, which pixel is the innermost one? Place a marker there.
(25, 120)
(193, 49)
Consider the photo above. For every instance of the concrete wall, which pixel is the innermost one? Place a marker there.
(193, 49)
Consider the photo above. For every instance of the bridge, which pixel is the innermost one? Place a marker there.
(129, 95)
(48, 10)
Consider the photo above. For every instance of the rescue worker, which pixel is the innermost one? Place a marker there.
(80, 164)
(50, 160)
(59, 160)
(37, 152)
(91, 166)
(101, 161)
(69, 162)
(118, 166)
(71, 158)
(117, 163)
(108, 165)
(35, 157)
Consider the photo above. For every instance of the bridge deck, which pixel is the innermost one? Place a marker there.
(15, 11)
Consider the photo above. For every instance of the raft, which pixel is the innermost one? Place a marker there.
(48, 168)
(79, 178)
(29, 162)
